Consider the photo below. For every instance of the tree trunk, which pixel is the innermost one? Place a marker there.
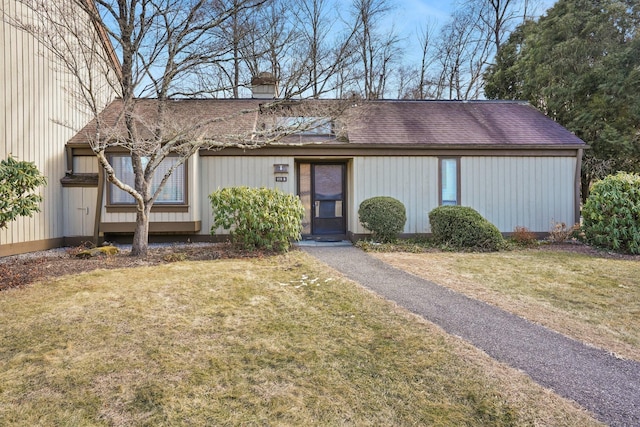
(140, 245)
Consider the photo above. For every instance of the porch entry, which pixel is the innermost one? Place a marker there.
(321, 187)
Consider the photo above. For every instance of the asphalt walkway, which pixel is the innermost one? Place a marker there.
(607, 386)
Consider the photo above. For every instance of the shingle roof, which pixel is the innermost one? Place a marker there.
(228, 118)
(380, 123)
(459, 123)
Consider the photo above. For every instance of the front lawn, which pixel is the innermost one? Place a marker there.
(272, 341)
(595, 299)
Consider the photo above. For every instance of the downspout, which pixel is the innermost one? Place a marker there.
(99, 200)
(578, 186)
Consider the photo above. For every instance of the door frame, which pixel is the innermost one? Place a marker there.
(344, 163)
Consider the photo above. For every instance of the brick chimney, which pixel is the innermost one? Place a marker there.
(264, 86)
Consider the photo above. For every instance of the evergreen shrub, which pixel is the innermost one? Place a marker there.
(383, 216)
(463, 228)
(611, 214)
(258, 218)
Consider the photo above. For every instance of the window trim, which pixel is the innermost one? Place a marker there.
(157, 206)
(440, 176)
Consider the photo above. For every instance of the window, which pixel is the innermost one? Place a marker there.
(173, 192)
(306, 125)
(449, 181)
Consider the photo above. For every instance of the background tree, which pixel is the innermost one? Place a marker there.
(377, 49)
(470, 40)
(235, 32)
(426, 60)
(463, 52)
(580, 65)
(324, 52)
(18, 181)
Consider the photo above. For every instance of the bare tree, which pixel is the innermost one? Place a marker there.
(423, 87)
(276, 45)
(323, 53)
(463, 51)
(376, 48)
(160, 45)
(499, 17)
(234, 32)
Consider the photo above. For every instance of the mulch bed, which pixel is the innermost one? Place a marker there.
(20, 270)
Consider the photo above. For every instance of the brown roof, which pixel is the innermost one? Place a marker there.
(460, 123)
(380, 123)
(228, 118)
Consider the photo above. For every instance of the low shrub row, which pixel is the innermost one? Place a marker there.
(261, 218)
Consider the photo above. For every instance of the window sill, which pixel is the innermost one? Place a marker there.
(154, 208)
(187, 227)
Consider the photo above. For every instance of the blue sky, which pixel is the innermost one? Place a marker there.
(412, 12)
(410, 15)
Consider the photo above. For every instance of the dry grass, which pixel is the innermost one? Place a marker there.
(276, 341)
(595, 300)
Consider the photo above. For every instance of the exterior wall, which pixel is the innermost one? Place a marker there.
(520, 191)
(34, 100)
(509, 191)
(230, 171)
(412, 180)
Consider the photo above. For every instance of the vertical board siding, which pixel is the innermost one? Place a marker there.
(532, 192)
(34, 100)
(509, 191)
(223, 172)
(411, 180)
(85, 164)
(193, 180)
(130, 217)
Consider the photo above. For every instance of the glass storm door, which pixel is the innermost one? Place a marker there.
(322, 191)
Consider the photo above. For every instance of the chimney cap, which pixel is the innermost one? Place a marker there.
(264, 78)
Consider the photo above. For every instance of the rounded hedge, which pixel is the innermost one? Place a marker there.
(611, 214)
(461, 227)
(383, 216)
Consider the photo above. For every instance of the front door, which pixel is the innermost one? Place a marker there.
(321, 187)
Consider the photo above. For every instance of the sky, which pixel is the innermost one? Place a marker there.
(411, 15)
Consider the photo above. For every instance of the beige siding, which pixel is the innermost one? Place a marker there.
(520, 191)
(34, 100)
(79, 210)
(130, 217)
(509, 191)
(85, 164)
(222, 172)
(412, 180)
(193, 180)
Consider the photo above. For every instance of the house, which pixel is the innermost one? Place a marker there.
(505, 159)
(508, 161)
(38, 113)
